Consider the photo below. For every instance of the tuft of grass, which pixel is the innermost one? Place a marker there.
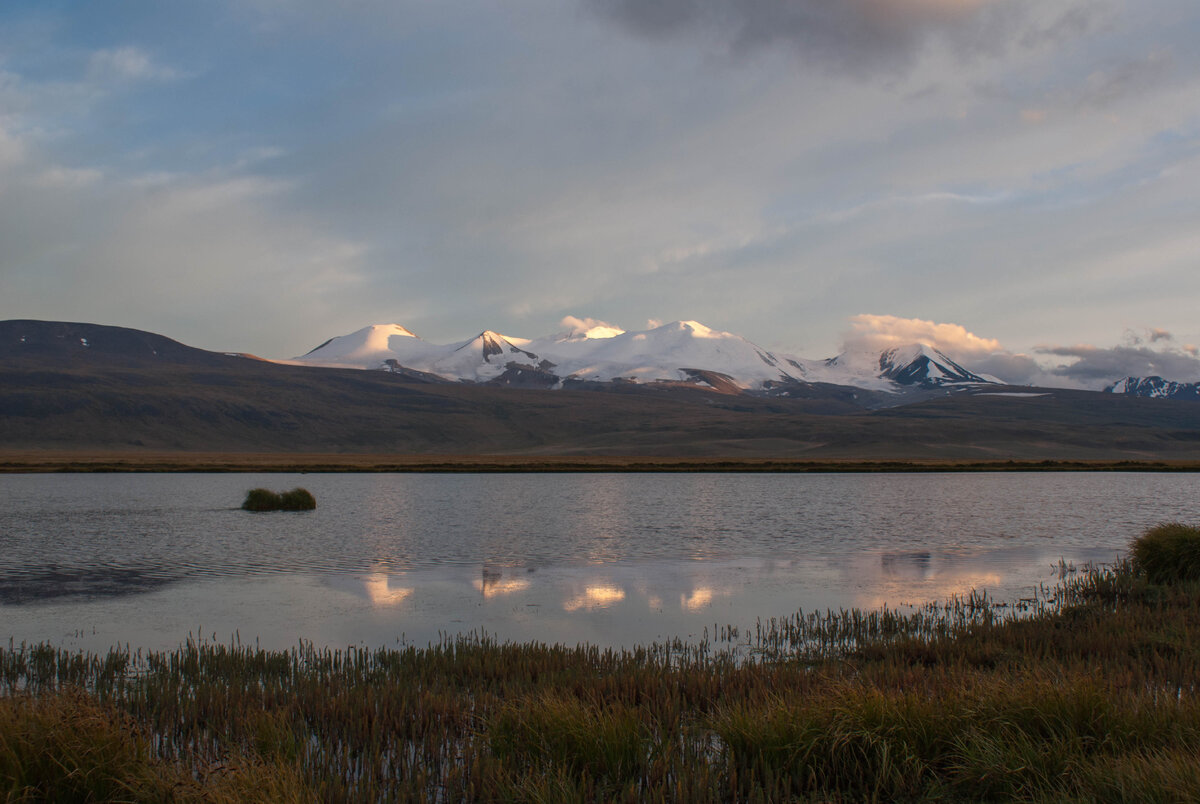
(606, 743)
(1168, 553)
(297, 499)
(68, 747)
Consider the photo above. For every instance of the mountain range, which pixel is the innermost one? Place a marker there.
(681, 352)
(679, 390)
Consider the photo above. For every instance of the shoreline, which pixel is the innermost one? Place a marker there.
(36, 462)
(1091, 697)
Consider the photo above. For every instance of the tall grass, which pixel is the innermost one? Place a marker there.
(1090, 693)
(1168, 553)
(297, 499)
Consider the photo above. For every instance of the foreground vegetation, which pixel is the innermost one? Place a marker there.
(1090, 694)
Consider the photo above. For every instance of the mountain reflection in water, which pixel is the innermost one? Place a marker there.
(607, 559)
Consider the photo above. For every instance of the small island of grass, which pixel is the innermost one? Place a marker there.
(297, 499)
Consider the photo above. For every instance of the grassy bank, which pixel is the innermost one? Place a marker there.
(12, 462)
(1092, 695)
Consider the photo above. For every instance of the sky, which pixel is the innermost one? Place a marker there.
(1015, 181)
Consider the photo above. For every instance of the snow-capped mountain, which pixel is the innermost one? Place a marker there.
(1154, 388)
(678, 352)
(911, 365)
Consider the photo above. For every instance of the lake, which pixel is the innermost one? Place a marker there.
(95, 560)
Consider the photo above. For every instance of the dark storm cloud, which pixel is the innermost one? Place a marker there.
(856, 36)
(1094, 364)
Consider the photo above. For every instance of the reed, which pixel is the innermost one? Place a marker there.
(1168, 553)
(1088, 693)
(298, 499)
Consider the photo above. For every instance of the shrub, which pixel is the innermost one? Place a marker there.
(266, 500)
(1168, 553)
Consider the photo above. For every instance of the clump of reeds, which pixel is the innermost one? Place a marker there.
(297, 499)
(1168, 553)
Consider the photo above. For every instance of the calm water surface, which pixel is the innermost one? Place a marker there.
(91, 561)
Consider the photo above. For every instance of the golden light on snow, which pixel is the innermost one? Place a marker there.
(595, 597)
(381, 593)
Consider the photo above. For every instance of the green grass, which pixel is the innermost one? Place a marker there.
(1089, 695)
(1168, 553)
(297, 499)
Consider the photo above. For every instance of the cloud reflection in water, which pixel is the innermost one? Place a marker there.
(380, 591)
(700, 597)
(598, 596)
(495, 586)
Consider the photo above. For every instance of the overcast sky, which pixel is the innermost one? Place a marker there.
(1017, 180)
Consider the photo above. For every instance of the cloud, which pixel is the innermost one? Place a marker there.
(1080, 366)
(214, 260)
(1152, 335)
(1095, 366)
(885, 331)
(981, 355)
(1160, 335)
(12, 149)
(856, 36)
(1014, 369)
(126, 64)
(589, 327)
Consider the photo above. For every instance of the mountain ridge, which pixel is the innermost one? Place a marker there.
(682, 351)
(1154, 387)
(130, 390)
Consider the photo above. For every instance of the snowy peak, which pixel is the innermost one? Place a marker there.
(913, 365)
(371, 348)
(920, 364)
(368, 340)
(489, 345)
(681, 351)
(1154, 388)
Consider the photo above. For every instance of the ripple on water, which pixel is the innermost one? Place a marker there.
(491, 545)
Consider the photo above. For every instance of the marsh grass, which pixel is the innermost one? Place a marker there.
(1168, 553)
(1089, 693)
(297, 499)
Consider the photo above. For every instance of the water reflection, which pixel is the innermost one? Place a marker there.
(915, 566)
(40, 585)
(597, 596)
(913, 577)
(380, 591)
(492, 583)
(698, 599)
(609, 559)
